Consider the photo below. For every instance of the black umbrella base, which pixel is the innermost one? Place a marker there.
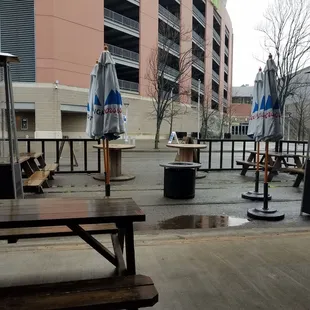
(265, 214)
(255, 196)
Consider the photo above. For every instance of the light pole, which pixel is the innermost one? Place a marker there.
(198, 110)
(126, 104)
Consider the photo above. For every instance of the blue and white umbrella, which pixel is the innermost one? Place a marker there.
(257, 99)
(90, 103)
(269, 114)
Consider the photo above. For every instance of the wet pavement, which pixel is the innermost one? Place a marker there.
(218, 194)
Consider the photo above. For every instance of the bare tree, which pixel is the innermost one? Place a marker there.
(299, 114)
(167, 78)
(286, 30)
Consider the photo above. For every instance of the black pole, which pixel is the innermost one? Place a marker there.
(256, 181)
(265, 196)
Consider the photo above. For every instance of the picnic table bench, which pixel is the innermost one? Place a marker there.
(35, 218)
(275, 162)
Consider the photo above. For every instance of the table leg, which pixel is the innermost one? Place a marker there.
(130, 250)
(33, 164)
(275, 168)
(186, 155)
(298, 162)
(116, 163)
(94, 243)
(26, 167)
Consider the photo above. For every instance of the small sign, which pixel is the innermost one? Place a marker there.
(173, 136)
(24, 124)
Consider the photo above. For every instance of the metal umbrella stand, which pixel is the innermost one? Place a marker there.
(252, 133)
(269, 130)
(10, 170)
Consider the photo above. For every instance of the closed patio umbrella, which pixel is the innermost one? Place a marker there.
(269, 129)
(107, 118)
(258, 93)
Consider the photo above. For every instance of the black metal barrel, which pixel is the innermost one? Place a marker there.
(180, 180)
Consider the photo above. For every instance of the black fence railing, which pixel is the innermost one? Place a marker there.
(71, 155)
(223, 154)
(79, 155)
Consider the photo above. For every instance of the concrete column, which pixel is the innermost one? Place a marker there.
(47, 113)
(148, 41)
(186, 27)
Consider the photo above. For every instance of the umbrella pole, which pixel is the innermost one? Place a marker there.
(104, 160)
(257, 168)
(256, 195)
(107, 183)
(265, 213)
(266, 176)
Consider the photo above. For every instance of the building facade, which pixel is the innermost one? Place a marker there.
(59, 41)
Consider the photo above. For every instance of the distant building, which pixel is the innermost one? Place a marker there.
(241, 110)
(58, 44)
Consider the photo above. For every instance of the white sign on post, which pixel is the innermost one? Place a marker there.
(173, 136)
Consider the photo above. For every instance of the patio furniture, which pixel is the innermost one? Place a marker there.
(115, 162)
(37, 218)
(275, 162)
(180, 179)
(127, 292)
(187, 150)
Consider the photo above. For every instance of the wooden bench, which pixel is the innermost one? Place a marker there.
(37, 181)
(51, 168)
(12, 235)
(127, 292)
(300, 174)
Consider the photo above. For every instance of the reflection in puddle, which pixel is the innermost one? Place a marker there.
(195, 221)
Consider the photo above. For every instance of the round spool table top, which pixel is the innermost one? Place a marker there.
(115, 146)
(181, 165)
(187, 146)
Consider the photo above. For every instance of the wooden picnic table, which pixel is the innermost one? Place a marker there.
(276, 162)
(126, 290)
(72, 213)
(186, 150)
(115, 162)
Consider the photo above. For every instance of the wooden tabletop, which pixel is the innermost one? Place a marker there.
(32, 155)
(62, 211)
(23, 159)
(277, 154)
(187, 146)
(115, 146)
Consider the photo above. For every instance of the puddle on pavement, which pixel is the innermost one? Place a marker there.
(195, 222)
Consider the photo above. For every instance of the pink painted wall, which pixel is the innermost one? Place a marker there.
(186, 24)
(148, 40)
(69, 39)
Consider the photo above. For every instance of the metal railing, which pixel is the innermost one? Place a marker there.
(198, 62)
(123, 20)
(216, 56)
(71, 155)
(216, 36)
(169, 17)
(226, 68)
(199, 16)
(222, 154)
(168, 70)
(215, 76)
(215, 96)
(199, 39)
(168, 44)
(79, 156)
(123, 53)
(130, 86)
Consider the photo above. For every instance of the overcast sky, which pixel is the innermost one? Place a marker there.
(245, 16)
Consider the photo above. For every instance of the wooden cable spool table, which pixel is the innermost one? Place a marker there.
(115, 162)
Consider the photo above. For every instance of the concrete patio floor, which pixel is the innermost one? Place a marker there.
(244, 269)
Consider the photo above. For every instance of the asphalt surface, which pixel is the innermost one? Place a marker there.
(219, 193)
